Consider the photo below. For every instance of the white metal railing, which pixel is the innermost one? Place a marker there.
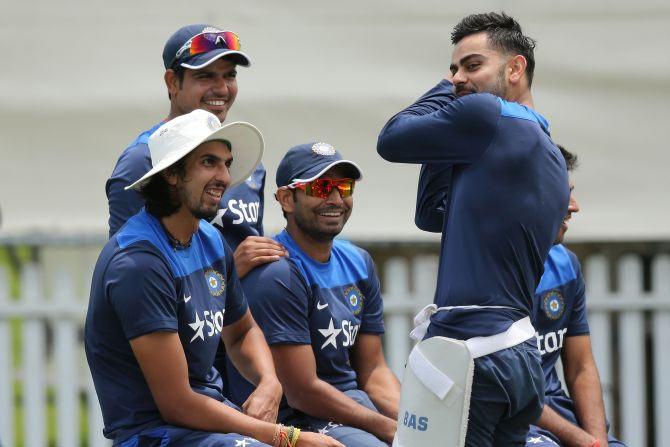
(638, 316)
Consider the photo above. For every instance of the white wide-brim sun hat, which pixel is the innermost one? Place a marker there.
(178, 137)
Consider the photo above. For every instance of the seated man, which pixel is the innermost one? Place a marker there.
(321, 309)
(562, 329)
(164, 292)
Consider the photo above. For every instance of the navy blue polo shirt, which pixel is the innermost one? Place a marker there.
(298, 300)
(496, 187)
(141, 285)
(560, 311)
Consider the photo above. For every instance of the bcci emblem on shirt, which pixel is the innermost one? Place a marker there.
(215, 282)
(355, 298)
(553, 304)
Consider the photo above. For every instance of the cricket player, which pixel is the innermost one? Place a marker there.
(563, 330)
(496, 187)
(165, 291)
(321, 309)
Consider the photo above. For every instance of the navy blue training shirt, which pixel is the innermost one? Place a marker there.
(298, 300)
(560, 312)
(140, 285)
(496, 186)
(240, 210)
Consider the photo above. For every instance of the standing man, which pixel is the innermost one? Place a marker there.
(165, 291)
(563, 330)
(496, 187)
(321, 309)
(201, 73)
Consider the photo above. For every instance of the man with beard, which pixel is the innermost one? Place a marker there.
(165, 292)
(495, 185)
(321, 310)
(563, 331)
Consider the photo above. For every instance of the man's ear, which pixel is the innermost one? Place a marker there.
(285, 199)
(171, 82)
(516, 68)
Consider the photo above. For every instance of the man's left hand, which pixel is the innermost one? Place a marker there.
(263, 403)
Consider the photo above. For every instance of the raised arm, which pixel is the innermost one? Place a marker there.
(431, 196)
(441, 128)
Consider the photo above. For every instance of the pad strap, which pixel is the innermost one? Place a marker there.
(431, 377)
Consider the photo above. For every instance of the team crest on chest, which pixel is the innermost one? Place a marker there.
(215, 282)
(553, 304)
(355, 298)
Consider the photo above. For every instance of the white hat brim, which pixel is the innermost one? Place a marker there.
(246, 147)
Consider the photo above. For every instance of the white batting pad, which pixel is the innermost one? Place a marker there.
(435, 395)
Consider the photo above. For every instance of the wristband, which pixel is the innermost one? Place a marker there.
(595, 443)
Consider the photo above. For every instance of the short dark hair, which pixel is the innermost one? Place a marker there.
(504, 34)
(161, 198)
(570, 158)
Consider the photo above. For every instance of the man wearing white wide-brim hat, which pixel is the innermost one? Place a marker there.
(165, 292)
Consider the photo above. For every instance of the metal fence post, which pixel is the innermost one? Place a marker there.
(34, 353)
(396, 290)
(597, 289)
(632, 354)
(65, 358)
(6, 367)
(661, 336)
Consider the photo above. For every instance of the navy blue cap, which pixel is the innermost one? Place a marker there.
(182, 35)
(309, 161)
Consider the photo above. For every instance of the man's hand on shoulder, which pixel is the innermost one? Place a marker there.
(255, 251)
(263, 403)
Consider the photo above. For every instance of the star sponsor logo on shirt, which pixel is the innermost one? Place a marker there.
(349, 330)
(331, 335)
(553, 304)
(354, 297)
(215, 282)
(212, 322)
(243, 211)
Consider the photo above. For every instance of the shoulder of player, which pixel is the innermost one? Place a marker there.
(264, 279)
(351, 251)
(559, 268)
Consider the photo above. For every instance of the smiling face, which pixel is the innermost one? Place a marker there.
(478, 68)
(212, 88)
(205, 180)
(321, 219)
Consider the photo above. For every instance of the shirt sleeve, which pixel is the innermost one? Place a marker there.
(432, 196)
(372, 316)
(140, 288)
(279, 299)
(578, 324)
(441, 128)
(236, 302)
(132, 165)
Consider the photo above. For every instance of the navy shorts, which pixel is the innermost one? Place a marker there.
(507, 396)
(349, 436)
(168, 435)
